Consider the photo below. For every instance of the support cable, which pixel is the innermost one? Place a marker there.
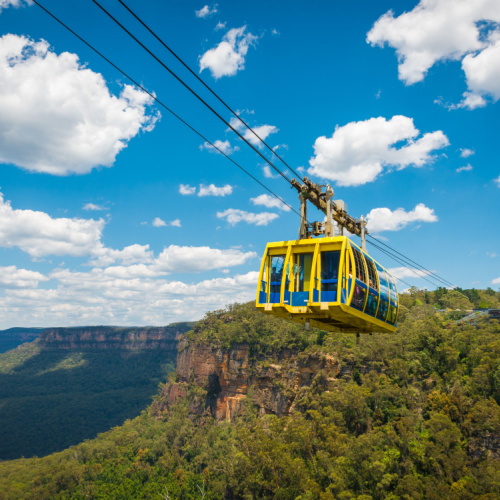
(180, 80)
(427, 271)
(209, 89)
(163, 105)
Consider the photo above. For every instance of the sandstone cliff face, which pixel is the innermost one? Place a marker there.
(105, 337)
(231, 378)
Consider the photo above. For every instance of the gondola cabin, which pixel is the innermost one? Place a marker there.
(328, 283)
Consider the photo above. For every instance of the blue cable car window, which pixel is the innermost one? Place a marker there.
(371, 305)
(302, 276)
(277, 263)
(391, 317)
(330, 262)
(358, 298)
(382, 310)
(394, 291)
(358, 261)
(372, 277)
(384, 287)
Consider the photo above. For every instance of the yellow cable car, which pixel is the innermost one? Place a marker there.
(328, 283)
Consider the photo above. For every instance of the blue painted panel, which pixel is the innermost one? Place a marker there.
(315, 295)
(300, 298)
(287, 296)
(274, 298)
(262, 297)
(343, 296)
(328, 296)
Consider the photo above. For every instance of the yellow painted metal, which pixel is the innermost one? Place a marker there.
(334, 316)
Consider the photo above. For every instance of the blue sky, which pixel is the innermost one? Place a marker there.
(393, 103)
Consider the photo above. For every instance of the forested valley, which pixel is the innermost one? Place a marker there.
(415, 415)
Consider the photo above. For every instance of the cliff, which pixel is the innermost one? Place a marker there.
(108, 337)
(230, 378)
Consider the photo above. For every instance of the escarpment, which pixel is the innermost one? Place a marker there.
(227, 379)
(108, 337)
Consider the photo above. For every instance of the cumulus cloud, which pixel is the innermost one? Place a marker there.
(496, 281)
(196, 259)
(57, 116)
(269, 202)
(266, 170)
(157, 222)
(213, 190)
(384, 219)
(186, 189)
(38, 234)
(405, 272)
(229, 56)
(220, 26)
(358, 152)
(206, 11)
(224, 146)
(497, 180)
(465, 152)
(467, 168)
(4, 4)
(12, 277)
(440, 30)
(233, 216)
(262, 131)
(91, 206)
(131, 254)
(176, 223)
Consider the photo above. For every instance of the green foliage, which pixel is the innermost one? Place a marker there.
(413, 415)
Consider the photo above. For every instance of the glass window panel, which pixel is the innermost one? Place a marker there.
(382, 310)
(358, 262)
(303, 263)
(391, 317)
(277, 264)
(384, 286)
(329, 270)
(371, 305)
(372, 277)
(358, 298)
(394, 290)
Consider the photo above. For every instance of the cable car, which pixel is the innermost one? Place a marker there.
(328, 283)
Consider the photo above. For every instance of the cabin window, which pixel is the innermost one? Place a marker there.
(392, 286)
(382, 310)
(358, 298)
(358, 264)
(371, 305)
(277, 264)
(391, 317)
(384, 286)
(372, 276)
(302, 279)
(329, 271)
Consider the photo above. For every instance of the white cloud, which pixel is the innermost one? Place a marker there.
(224, 146)
(358, 152)
(196, 259)
(233, 216)
(263, 131)
(266, 169)
(405, 272)
(497, 180)
(440, 30)
(38, 234)
(186, 189)
(269, 202)
(467, 168)
(496, 281)
(465, 152)
(206, 11)
(229, 56)
(220, 26)
(57, 116)
(213, 190)
(11, 277)
(384, 219)
(91, 206)
(131, 254)
(4, 4)
(176, 223)
(491, 254)
(157, 222)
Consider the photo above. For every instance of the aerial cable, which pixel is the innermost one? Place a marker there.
(163, 105)
(399, 261)
(180, 80)
(427, 271)
(209, 89)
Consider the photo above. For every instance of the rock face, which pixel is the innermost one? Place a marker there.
(108, 337)
(231, 378)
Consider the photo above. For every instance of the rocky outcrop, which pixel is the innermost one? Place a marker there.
(231, 378)
(108, 337)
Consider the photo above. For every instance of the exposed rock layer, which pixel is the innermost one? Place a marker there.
(231, 378)
(108, 337)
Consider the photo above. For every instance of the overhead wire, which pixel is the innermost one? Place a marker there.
(180, 80)
(408, 260)
(209, 88)
(153, 96)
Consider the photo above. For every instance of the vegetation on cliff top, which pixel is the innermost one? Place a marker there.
(418, 418)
